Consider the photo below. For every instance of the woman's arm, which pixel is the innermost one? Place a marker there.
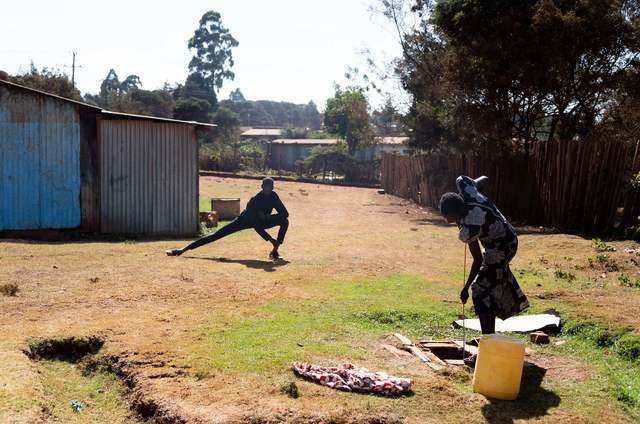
(474, 248)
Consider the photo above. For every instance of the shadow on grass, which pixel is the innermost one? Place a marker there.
(268, 266)
(534, 400)
(436, 220)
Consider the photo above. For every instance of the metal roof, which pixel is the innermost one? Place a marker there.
(306, 141)
(257, 132)
(107, 113)
(120, 115)
(393, 140)
(312, 141)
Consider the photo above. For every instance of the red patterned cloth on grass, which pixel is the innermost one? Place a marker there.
(352, 379)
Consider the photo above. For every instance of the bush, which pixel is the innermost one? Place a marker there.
(601, 246)
(564, 275)
(626, 281)
(628, 346)
(603, 261)
(290, 389)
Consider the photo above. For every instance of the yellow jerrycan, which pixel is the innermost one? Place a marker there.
(499, 367)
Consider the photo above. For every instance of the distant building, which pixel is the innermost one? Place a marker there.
(70, 165)
(284, 153)
(261, 134)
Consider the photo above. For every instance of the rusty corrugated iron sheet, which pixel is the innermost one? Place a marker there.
(39, 161)
(148, 177)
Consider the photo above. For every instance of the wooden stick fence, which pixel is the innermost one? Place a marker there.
(574, 186)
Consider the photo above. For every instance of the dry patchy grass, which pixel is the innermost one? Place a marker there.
(210, 335)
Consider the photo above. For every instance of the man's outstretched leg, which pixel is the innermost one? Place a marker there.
(232, 227)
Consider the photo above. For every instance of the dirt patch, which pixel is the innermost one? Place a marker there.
(69, 349)
(561, 368)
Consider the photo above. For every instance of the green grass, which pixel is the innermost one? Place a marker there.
(100, 393)
(204, 203)
(345, 318)
(272, 335)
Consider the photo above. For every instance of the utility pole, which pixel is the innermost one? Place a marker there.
(73, 71)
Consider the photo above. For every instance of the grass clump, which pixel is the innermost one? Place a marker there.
(628, 347)
(626, 281)
(565, 275)
(9, 289)
(391, 317)
(600, 246)
(603, 261)
(290, 389)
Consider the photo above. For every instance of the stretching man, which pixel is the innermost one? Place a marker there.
(258, 216)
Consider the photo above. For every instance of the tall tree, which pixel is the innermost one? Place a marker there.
(236, 96)
(213, 58)
(130, 83)
(347, 116)
(387, 120)
(110, 85)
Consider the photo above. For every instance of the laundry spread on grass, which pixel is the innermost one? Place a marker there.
(350, 378)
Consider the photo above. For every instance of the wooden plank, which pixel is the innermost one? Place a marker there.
(404, 340)
(395, 351)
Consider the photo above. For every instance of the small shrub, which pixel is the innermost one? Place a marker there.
(603, 261)
(390, 317)
(628, 346)
(608, 337)
(564, 275)
(602, 246)
(9, 289)
(290, 389)
(626, 281)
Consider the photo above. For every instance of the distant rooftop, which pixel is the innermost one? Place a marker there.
(306, 141)
(328, 141)
(262, 132)
(394, 140)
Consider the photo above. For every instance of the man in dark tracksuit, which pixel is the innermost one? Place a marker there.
(258, 216)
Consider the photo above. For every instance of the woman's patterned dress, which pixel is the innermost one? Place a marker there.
(495, 289)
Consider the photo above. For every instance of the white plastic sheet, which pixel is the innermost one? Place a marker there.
(517, 324)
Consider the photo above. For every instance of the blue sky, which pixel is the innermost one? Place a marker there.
(291, 50)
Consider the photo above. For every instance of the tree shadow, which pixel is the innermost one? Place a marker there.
(533, 401)
(267, 266)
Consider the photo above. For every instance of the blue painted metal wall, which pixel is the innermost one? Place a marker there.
(39, 161)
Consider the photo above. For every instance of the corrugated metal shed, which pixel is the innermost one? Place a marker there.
(39, 161)
(69, 165)
(149, 176)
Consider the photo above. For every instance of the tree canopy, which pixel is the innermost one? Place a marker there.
(347, 116)
(267, 113)
(487, 72)
(48, 80)
(213, 58)
(128, 96)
